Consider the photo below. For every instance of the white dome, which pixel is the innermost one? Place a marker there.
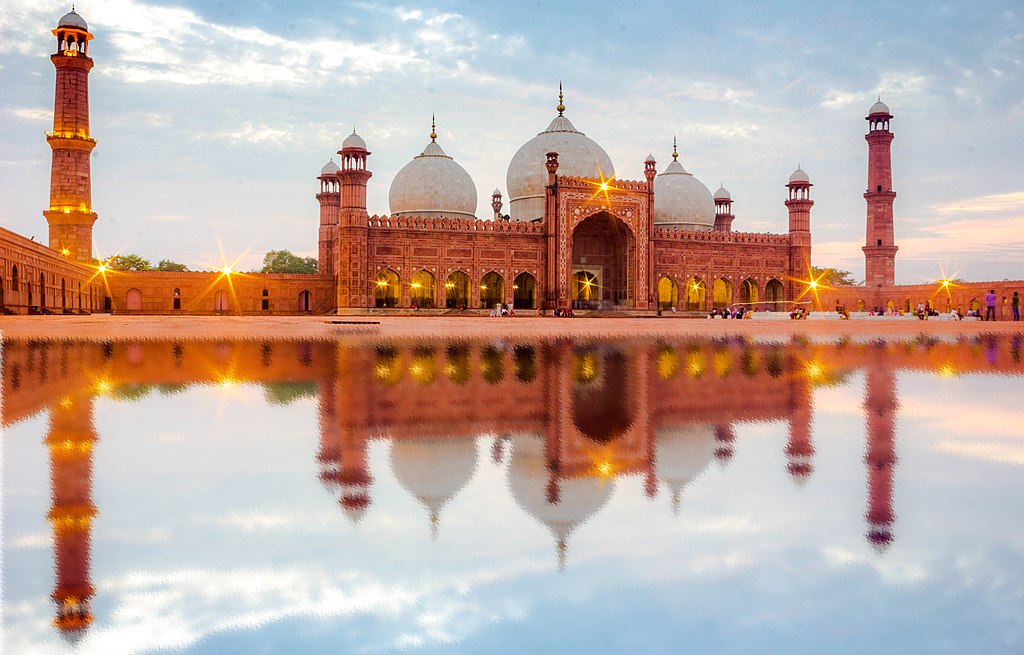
(578, 498)
(682, 200)
(879, 108)
(722, 194)
(527, 176)
(330, 168)
(432, 185)
(72, 19)
(434, 470)
(799, 176)
(353, 141)
(681, 455)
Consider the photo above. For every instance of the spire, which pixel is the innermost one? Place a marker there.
(433, 129)
(675, 149)
(560, 107)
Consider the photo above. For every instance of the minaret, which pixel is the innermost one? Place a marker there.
(496, 204)
(799, 205)
(880, 248)
(800, 448)
(880, 406)
(330, 205)
(352, 255)
(70, 214)
(723, 210)
(70, 439)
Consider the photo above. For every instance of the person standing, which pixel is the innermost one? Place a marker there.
(990, 305)
(1015, 305)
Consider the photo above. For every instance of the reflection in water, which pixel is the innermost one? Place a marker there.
(571, 420)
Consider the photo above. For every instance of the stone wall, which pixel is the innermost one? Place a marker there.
(26, 266)
(962, 296)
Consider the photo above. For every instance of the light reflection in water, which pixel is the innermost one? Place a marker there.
(567, 421)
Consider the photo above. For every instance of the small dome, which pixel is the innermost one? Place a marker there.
(879, 108)
(682, 455)
(799, 176)
(72, 19)
(578, 156)
(353, 141)
(650, 158)
(682, 200)
(330, 168)
(434, 470)
(497, 192)
(722, 194)
(432, 185)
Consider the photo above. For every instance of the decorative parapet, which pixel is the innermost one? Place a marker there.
(738, 238)
(610, 185)
(455, 224)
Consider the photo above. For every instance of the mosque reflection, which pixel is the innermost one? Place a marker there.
(570, 417)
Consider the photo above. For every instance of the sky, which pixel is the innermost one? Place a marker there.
(214, 118)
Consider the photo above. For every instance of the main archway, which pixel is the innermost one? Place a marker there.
(603, 248)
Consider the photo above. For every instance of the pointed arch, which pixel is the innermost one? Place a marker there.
(492, 290)
(386, 288)
(721, 293)
(696, 291)
(774, 296)
(524, 291)
(668, 293)
(422, 289)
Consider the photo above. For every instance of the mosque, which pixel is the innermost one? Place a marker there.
(574, 235)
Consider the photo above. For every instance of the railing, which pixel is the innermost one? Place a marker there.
(455, 224)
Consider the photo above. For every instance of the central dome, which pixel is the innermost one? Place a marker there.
(578, 155)
(681, 200)
(432, 185)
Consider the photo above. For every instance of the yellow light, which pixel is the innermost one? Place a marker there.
(416, 285)
(813, 284)
(65, 252)
(449, 285)
(483, 287)
(604, 186)
(945, 283)
(103, 386)
(814, 371)
(382, 283)
(102, 268)
(947, 371)
(226, 270)
(605, 468)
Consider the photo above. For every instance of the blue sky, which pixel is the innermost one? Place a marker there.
(213, 118)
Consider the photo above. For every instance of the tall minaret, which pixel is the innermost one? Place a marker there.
(353, 226)
(799, 205)
(880, 248)
(70, 214)
(70, 440)
(880, 406)
(330, 205)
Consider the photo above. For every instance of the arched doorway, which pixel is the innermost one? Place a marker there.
(721, 293)
(42, 291)
(456, 290)
(586, 291)
(603, 246)
(668, 293)
(133, 302)
(749, 293)
(421, 290)
(305, 301)
(386, 289)
(861, 305)
(695, 293)
(220, 301)
(63, 294)
(524, 291)
(492, 290)
(15, 285)
(774, 296)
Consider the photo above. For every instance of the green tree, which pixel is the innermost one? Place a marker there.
(283, 261)
(833, 277)
(168, 265)
(129, 262)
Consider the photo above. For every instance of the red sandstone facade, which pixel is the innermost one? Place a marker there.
(596, 246)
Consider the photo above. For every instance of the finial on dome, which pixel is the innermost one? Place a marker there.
(560, 107)
(433, 128)
(675, 149)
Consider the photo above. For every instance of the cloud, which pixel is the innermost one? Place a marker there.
(1000, 202)
(33, 113)
(985, 451)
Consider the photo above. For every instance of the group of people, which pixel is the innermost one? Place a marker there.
(725, 312)
(990, 305)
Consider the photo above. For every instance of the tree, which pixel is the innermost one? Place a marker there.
(168, 265)
(833, 277)
(283, 261)
(129, 262)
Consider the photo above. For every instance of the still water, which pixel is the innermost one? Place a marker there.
(652, 496)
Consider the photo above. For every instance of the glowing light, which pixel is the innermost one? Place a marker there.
(605, 468)
(103, 386)
(947, 371)
(382, 283)
(449, 285)
(226, 270)
(483, 287)
(102, 268)
(604, 186)
(813, 284)
(416, 285)
(65, 252)
(814, 371)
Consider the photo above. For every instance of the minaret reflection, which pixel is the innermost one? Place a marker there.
(880, 405)
(70, 441)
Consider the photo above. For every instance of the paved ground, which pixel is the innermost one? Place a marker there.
(470, 327)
